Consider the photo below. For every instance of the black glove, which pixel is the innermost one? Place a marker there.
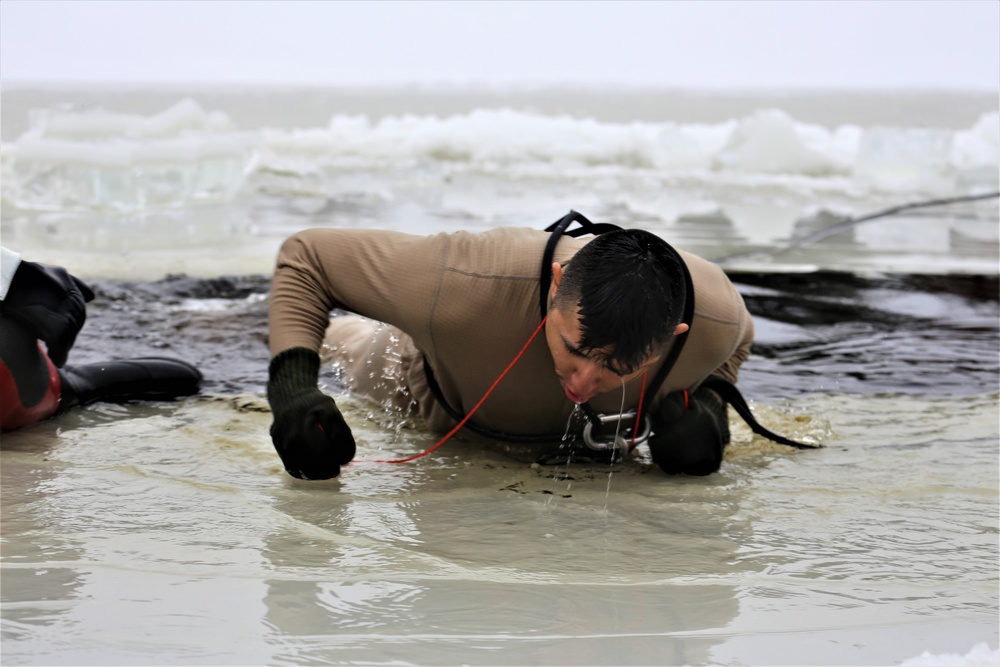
(49, 302)
(689, 433)
(310, 434)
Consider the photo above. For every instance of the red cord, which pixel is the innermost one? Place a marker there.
(471, 412)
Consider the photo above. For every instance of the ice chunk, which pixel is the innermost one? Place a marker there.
(980, 654)
(895, 158)
(975, 153)
(978, 146)
(770, 141)
(92, 159)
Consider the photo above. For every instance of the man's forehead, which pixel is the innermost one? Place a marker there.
(605, 356)
(573, 335)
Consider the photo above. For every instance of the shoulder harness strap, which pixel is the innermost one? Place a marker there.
(728, 392)
(724, 388)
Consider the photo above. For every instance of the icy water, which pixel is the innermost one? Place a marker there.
(168, 533)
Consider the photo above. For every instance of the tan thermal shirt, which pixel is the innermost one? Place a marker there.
(470, 301)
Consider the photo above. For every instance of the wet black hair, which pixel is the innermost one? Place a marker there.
(629, 289)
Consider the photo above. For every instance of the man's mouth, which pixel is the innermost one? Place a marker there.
(576, 398)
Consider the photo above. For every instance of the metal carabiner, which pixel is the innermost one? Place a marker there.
(617, 440)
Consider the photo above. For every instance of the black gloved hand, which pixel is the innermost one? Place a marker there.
(49, 302)
(689, 433)
(310, 434)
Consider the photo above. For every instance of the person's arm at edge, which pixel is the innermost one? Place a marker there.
(9, 261)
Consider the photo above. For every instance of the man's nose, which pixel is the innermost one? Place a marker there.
(587, 377)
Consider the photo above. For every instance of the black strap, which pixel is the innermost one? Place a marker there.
(675, 351)
(724, 388)
(558, 229)
(561, 227)
(728, 392)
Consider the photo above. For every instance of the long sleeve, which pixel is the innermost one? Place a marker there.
(387, 276)
(469, 302)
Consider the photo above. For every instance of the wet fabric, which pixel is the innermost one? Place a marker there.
(469, 301)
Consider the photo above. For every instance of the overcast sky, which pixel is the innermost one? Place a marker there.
(953, 44)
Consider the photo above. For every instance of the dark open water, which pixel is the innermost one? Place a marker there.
(820, 332)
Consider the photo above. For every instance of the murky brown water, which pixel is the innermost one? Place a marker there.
(168, 533)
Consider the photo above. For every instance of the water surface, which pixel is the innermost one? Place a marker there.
(168, 533)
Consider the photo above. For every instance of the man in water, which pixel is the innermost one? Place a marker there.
(451, 311)
(41, 303)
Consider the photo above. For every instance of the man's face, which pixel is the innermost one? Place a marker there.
(583, 375)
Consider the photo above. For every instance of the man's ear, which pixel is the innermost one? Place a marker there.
(557, 271)
(681, 328)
